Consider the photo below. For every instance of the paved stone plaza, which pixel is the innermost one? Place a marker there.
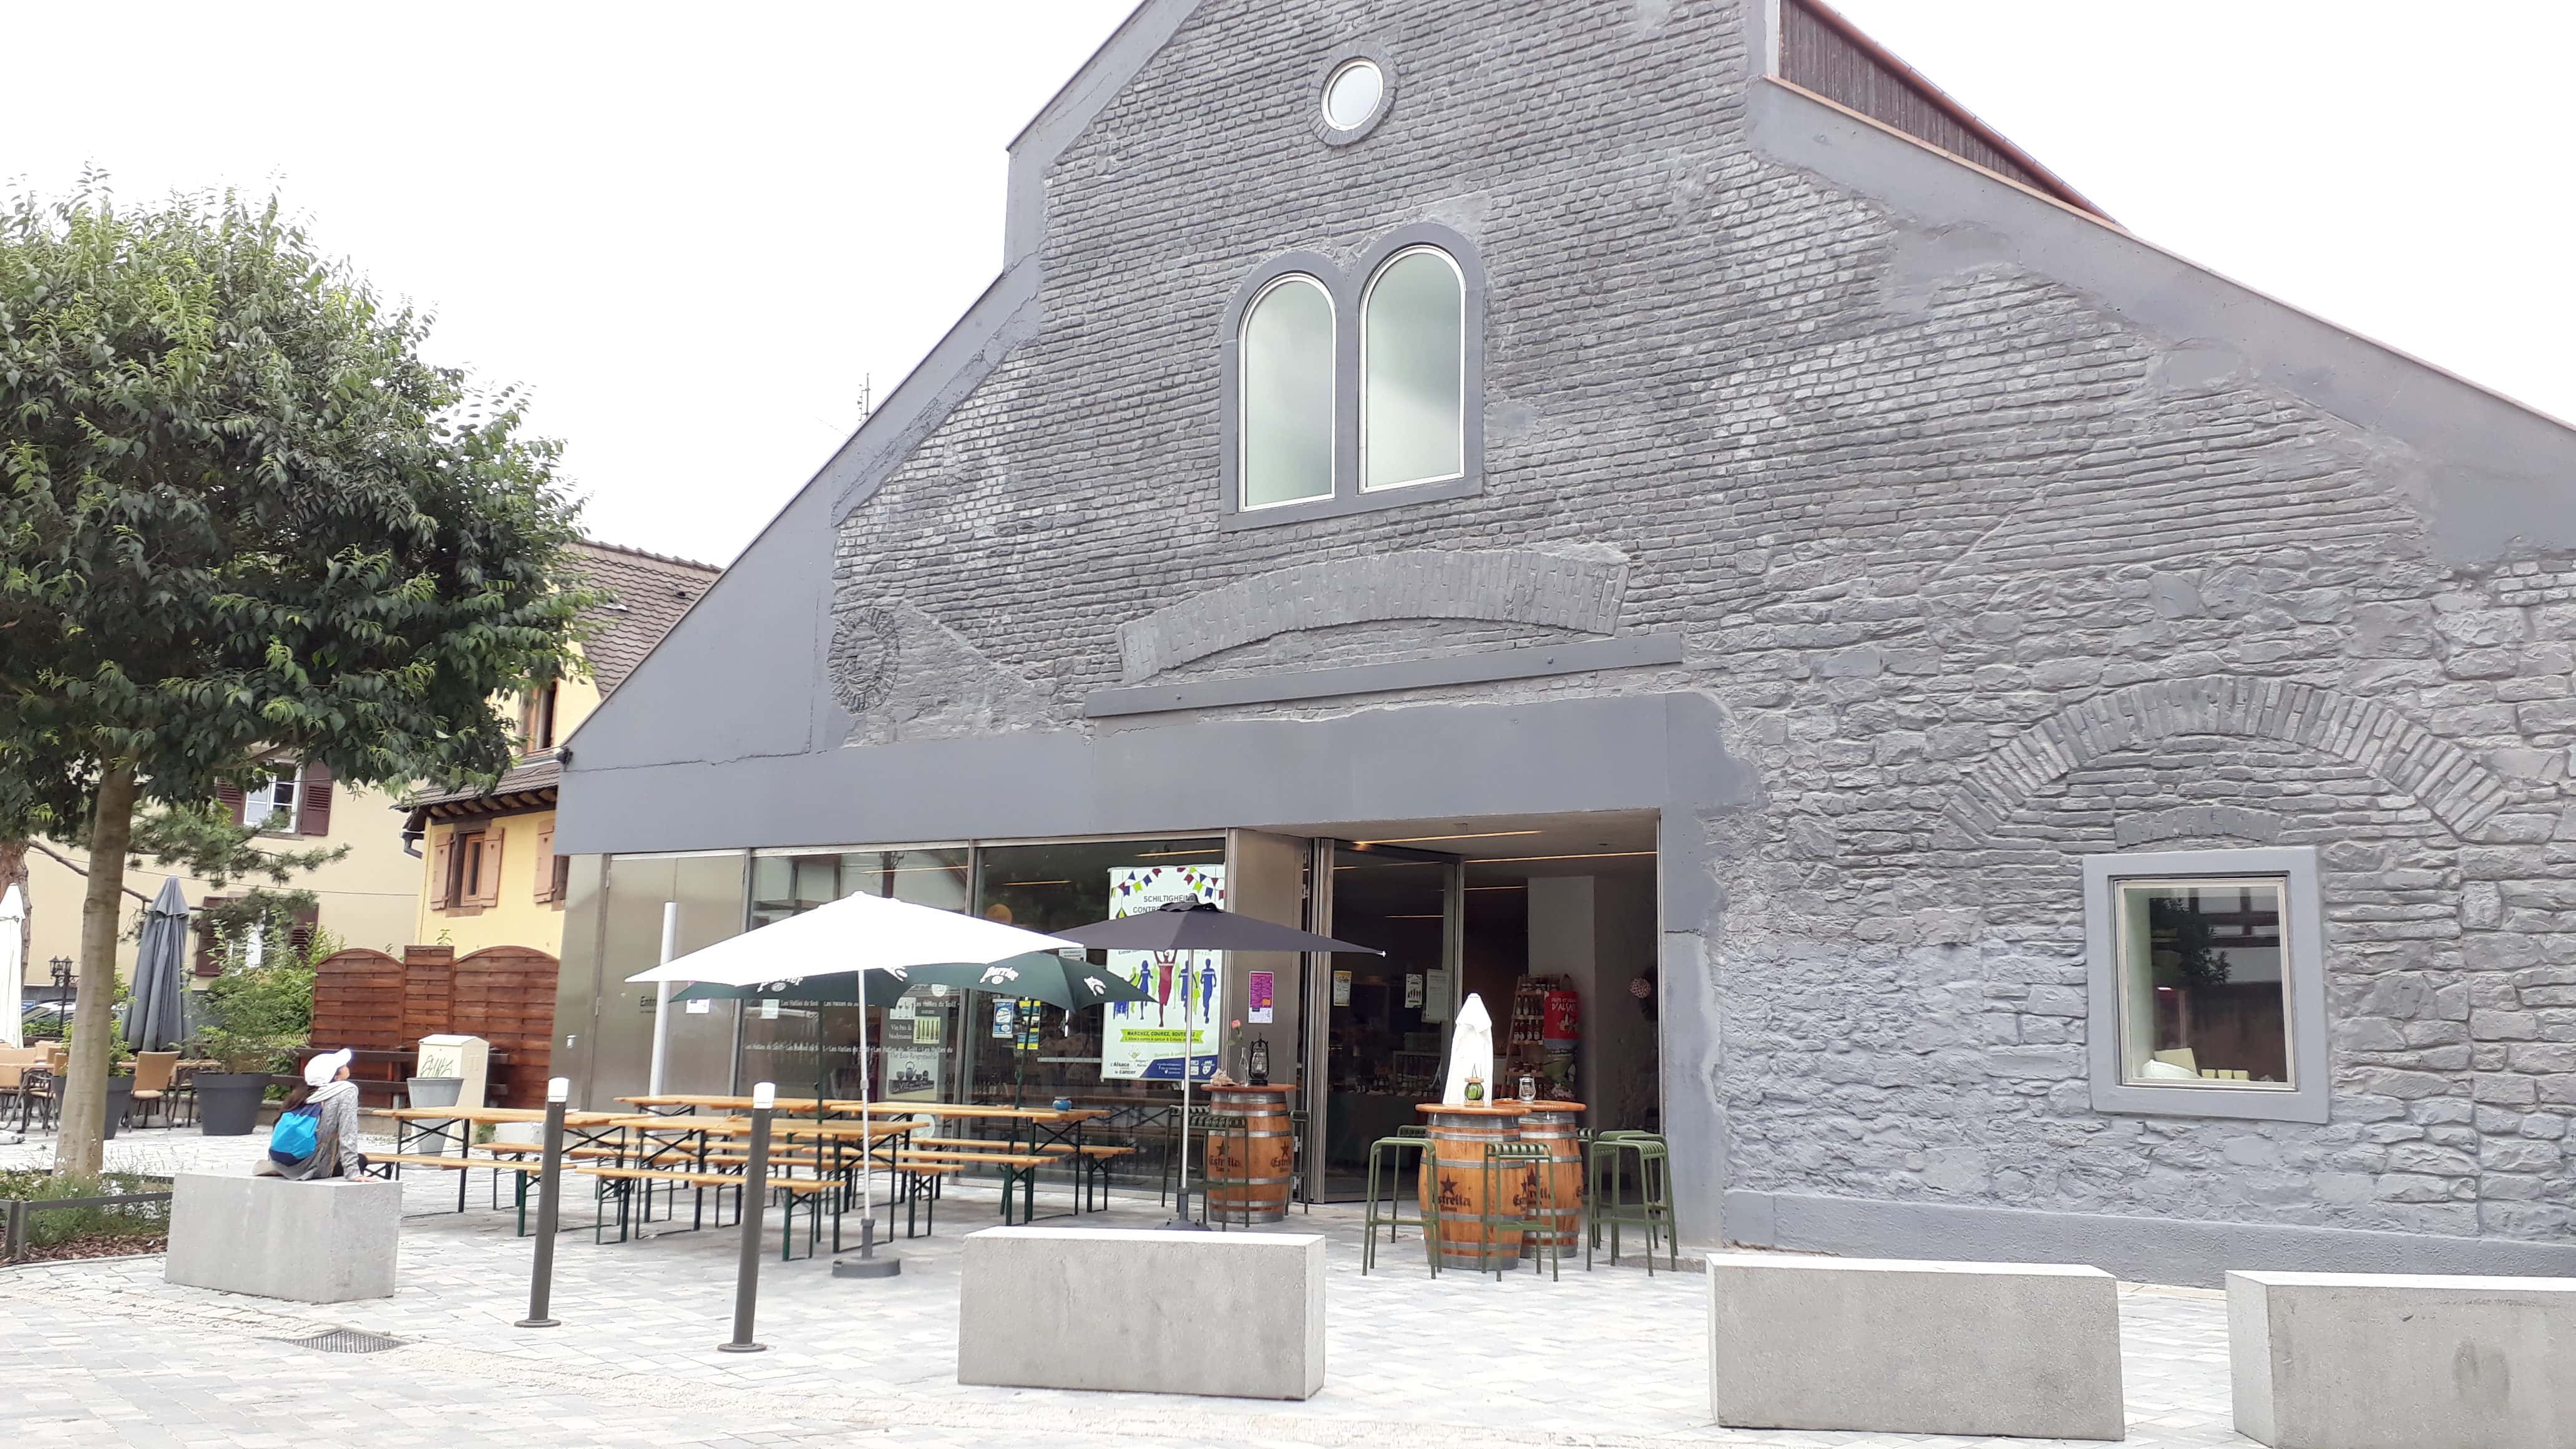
(105, 1353)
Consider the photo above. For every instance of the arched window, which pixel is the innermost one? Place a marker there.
(1287, 352)
(1413, 371)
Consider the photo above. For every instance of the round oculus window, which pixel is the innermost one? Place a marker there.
(1353, 94)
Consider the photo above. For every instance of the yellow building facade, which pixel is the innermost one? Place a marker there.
(366, 898)
(487, 873)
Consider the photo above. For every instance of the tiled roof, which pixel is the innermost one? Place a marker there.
(650, 593)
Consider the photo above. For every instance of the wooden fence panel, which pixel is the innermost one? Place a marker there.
(506, 995)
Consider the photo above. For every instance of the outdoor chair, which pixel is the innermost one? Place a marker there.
(1297, 1192)
(1204, 1126)
(1605, 1194)
(37, 1089)
(1529, 1213)
(154, 1072)
(1391, 1150)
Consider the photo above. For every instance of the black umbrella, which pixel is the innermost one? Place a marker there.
(1198, 926)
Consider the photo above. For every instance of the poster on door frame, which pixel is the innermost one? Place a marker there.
(1141, 1040)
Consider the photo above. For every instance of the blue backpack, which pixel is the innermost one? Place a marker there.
(295, 1136)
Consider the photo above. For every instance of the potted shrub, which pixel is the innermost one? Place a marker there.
(255, 1019)
(120, 1077)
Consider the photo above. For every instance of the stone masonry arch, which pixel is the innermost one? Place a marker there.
(2460, 792)
(1520, 586)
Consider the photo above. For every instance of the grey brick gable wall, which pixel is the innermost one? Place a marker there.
(1984, 570)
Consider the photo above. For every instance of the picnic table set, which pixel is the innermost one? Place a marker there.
(675, 1141)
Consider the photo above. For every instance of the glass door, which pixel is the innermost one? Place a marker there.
(1385, 1019)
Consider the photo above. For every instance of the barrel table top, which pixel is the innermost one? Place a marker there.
(1508, 1107)
(1278, 1088)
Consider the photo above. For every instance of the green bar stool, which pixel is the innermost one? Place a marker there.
(1605, 1175)
(1205, 1126)
(1528, 1211)
(1389, 1153)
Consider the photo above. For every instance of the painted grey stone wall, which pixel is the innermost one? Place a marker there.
(1995, 542)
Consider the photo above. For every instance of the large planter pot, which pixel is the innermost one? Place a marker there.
(228, 1102)
(120, 1095)
(434, 1091)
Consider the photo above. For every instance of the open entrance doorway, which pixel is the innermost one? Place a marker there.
(1549, 920)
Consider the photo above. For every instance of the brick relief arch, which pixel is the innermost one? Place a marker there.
(1516, 586)
(2460, 792)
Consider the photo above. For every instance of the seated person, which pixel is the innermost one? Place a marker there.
(317, 1133)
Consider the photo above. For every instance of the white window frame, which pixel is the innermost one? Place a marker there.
(1332, 399)
(2307, 1096)
(293, 810)
(1368, 296)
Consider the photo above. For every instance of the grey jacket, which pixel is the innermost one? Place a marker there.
(335, 1152)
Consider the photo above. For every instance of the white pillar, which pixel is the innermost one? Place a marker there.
(662, 997)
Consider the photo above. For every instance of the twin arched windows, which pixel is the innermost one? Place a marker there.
(1401, 364)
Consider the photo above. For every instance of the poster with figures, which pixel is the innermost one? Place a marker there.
(1142, 1039)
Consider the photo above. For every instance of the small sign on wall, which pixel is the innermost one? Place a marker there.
(1258, 988)
(1413, 989)
(1341, 988)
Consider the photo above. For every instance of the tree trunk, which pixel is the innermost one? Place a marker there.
(13, 872)
(79, 1150)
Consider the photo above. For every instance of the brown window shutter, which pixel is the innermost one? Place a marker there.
(487, 874)
(315, 819)
(299, 935)
(441, 866)
(231, 799)
(206, 963)
(562, 877)
(544, 872)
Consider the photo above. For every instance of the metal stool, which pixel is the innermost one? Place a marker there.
(1206, 1125)
(1393, 1148)
(1297, 1189)
(1605, 1181)
(1528, 1212)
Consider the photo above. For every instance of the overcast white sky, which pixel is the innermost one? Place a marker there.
(694, 232)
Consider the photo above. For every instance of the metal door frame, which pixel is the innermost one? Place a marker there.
(1316, 1019)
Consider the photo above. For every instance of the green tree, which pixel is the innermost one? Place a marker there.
(239, 514)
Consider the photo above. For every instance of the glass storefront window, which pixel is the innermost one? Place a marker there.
(1034, 1052)
(915, 1039)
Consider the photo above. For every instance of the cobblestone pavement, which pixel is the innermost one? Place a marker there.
(105, 1353)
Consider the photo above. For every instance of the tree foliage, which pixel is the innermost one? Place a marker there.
(241, 514)
(237, 509)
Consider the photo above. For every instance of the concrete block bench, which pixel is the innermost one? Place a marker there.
(1153, 1311)
(1891, 1347)
(326, 1241)
(2396, 1361)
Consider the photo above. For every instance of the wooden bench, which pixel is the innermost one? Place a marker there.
(1019, 1169)
(461, 1166)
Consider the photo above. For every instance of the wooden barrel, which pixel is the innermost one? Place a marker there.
(1453, 1166)
(1555, 1124)
(1262, 1160)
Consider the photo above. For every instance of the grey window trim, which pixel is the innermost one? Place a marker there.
(1348, 287)
(2308, 1098)
(1325, 130)
(1295, 276)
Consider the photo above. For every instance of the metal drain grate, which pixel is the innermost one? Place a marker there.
(344, 1340)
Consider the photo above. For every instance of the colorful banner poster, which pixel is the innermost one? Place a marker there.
(1142, 1040)
(1258, 987)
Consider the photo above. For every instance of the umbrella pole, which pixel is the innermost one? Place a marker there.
(867, 1264)
(1182, 1197)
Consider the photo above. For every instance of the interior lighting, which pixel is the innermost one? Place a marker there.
(1468, 835)
(1590, 855)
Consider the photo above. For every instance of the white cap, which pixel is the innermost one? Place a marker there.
(319, 1071)
(764, 1096)
(559, 1089)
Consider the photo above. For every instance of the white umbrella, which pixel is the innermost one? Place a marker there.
(13, 917)
(854, 934)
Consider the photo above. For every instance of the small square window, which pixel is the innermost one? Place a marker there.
(2207, 994)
